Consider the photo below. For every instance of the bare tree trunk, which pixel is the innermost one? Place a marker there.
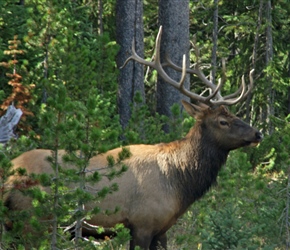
(288, 106)
(100, 17)
(129, 17)
(80, 209)
(269, 58)
(214, 41)
(287, 212)
(254, 59)
(174, 18)
(288, 109)
(54, 225)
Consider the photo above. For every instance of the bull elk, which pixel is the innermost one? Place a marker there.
(162, 180)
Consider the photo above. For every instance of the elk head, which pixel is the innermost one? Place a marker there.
(222, 128)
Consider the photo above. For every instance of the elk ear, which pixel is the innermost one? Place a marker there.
(224, 109)
(192, 109)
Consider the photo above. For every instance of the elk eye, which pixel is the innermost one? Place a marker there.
(224, 123)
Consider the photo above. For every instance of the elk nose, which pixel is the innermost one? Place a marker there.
(259, 136)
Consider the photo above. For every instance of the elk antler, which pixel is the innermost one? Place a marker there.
(231, 99)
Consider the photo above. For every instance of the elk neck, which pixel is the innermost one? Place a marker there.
(192, 165)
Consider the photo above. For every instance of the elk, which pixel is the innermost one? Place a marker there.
(164, 179)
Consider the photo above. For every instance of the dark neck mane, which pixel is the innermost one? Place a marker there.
(195, 165)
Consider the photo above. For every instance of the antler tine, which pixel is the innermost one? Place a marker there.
(233, 95)
(231, 100)
(136, 57)
(154, 64)
(251, 85)
(215, 92)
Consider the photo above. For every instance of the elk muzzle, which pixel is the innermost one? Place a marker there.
(258, 139)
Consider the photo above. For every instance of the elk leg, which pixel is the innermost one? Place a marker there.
(159, 242)
(140, 238)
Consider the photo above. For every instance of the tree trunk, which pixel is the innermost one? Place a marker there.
(174, 18)
(214, 42)
(100, 17)
(288, 100)
(269, 58)
(249, 108)
(55, 220)
(129, 17)
(288, 109)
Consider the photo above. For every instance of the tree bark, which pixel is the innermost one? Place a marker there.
(174, 18)
(288, 100)
(249, 108)
(269, 58)
(129, 26)
(214, 42)
(100, 17)
(288, 110)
